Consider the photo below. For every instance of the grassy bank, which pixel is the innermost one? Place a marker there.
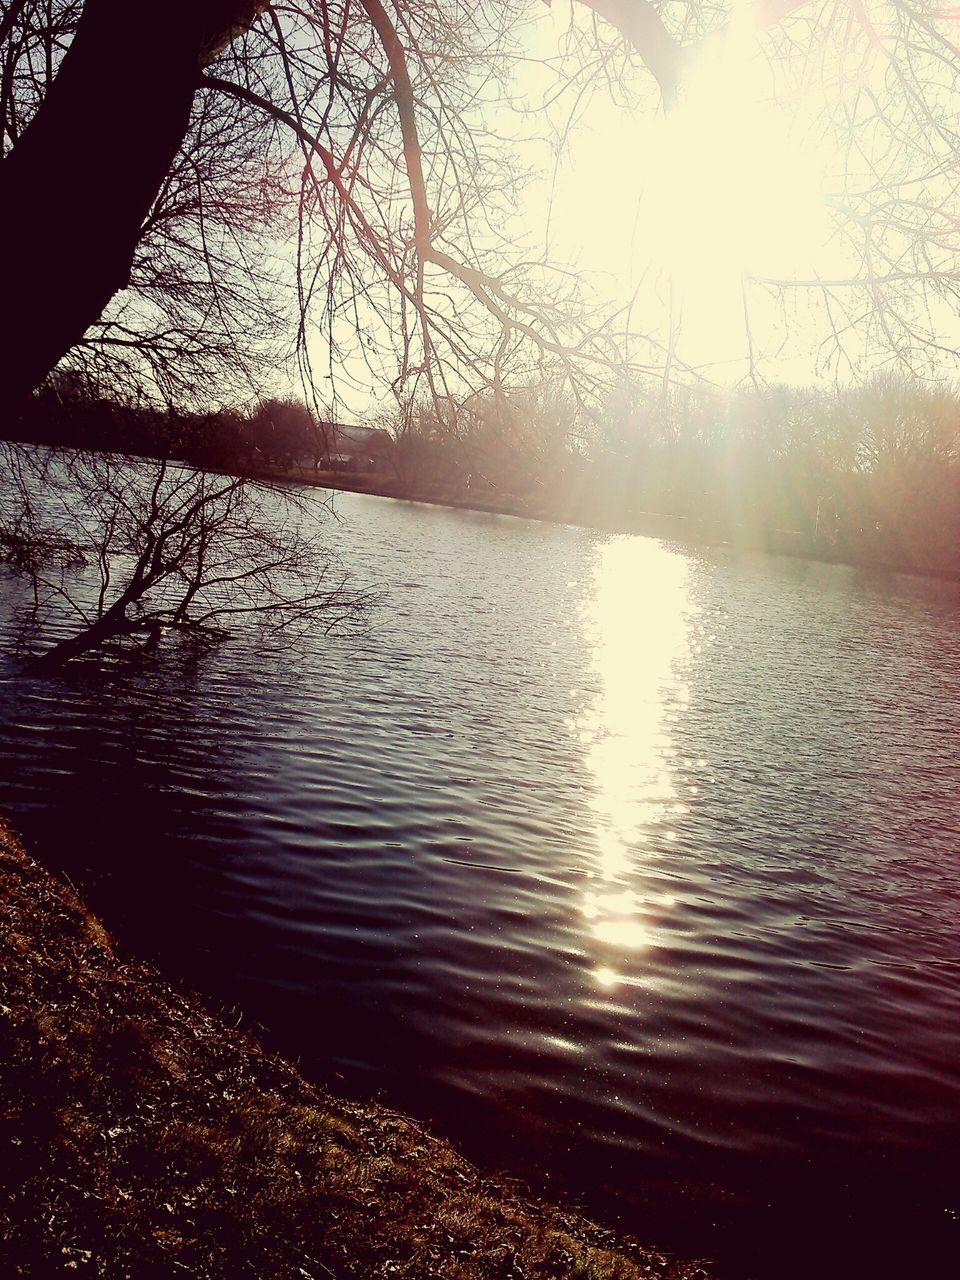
(143, 1137)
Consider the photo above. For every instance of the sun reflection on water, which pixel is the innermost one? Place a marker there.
(638, 621)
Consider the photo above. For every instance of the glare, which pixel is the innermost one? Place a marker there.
(685, 204)
(622, 933)
(731, 188)
(638, 620)
(623, 903)
(732, 191)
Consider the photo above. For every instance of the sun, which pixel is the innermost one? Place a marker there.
(734, 189)
(725, 186)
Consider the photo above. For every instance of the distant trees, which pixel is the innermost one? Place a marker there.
(271, 435)
(287, 434)
(118, 552)
(873, 473)
(902, 484)
(497, 440)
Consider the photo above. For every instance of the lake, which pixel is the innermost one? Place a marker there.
(632, 866)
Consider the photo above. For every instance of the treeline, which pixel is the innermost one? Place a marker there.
(871, 474)
(273, 435)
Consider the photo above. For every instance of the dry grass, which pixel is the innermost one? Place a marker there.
(141, 1137)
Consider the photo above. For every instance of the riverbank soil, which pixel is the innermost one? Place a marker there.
(143, 1137)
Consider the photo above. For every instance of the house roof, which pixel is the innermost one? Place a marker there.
(346, 438)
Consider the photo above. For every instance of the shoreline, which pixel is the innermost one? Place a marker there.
(590, 513)
(651, 524)
(143, 1136)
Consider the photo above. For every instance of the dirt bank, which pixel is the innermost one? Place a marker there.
(143, 1137)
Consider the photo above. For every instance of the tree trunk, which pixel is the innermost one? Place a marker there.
(114, 623)
(75, 189)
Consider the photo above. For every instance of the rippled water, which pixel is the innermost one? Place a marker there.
(634, 867)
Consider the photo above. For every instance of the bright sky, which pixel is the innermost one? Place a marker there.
(678, 207)
(669, 213)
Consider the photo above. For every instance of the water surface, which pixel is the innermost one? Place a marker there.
(634, 867)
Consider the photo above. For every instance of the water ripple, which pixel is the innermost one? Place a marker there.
(632, 865)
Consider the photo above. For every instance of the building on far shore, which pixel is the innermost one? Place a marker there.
(353, 448)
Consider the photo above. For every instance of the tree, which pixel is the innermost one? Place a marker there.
(103, 137)
(117, 182)
(287, 434)
(365, 116)
(121, 552)
(116, 105)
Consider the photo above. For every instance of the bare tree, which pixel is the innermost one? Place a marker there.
(365, 115)
(364, 108)
(121, 552)
(200, 314)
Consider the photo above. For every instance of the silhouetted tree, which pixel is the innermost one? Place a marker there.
(286, 434)
(183, 126)
(102, 97)
(128, 552)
